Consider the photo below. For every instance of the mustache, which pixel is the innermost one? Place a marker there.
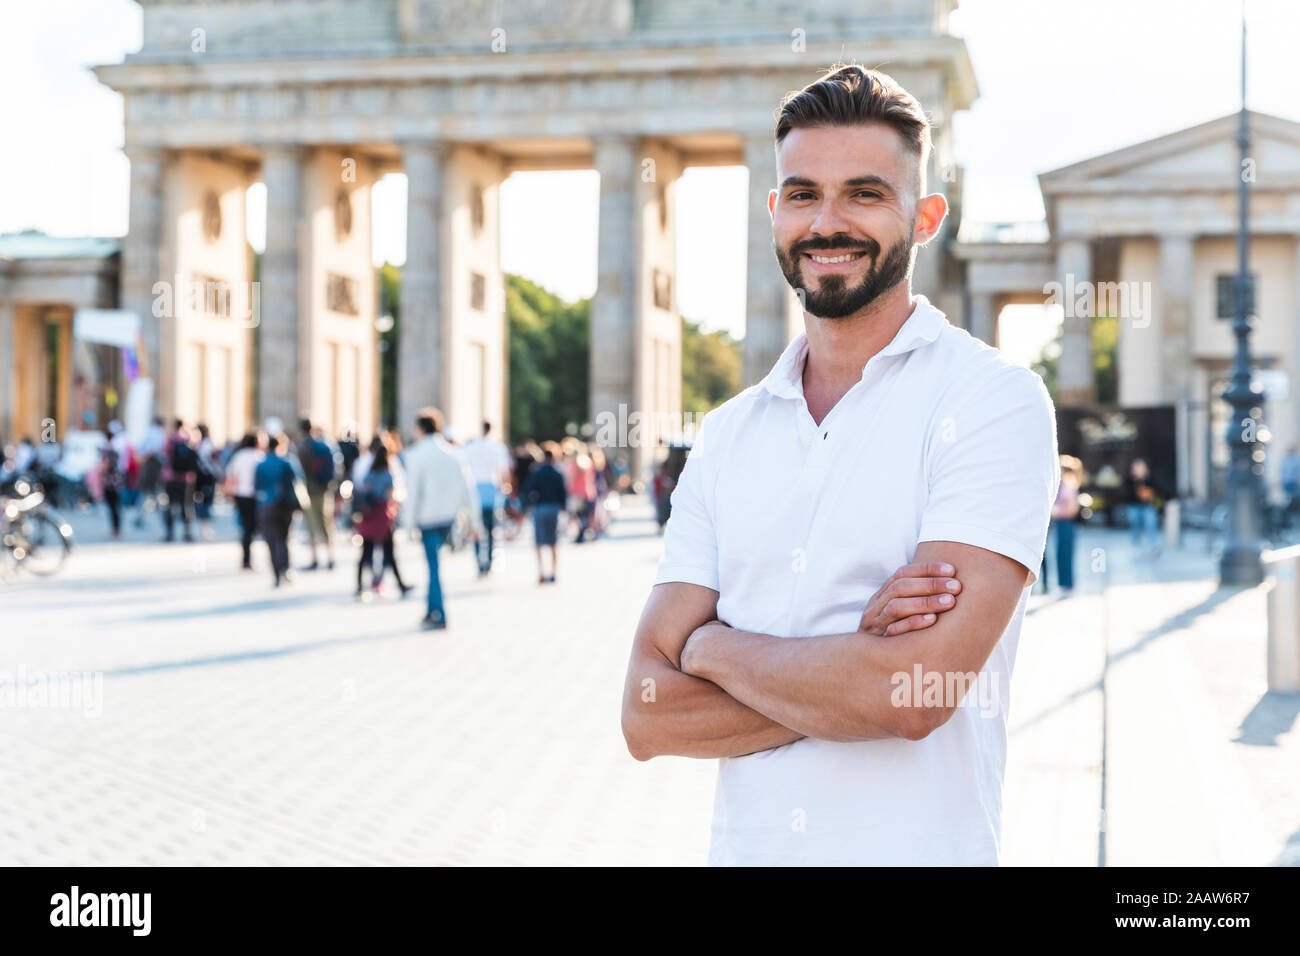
(869, 246)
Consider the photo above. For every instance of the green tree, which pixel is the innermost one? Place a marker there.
(710, 368)
(390, 298)
(548, 348)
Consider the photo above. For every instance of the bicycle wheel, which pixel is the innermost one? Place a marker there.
(45, 543)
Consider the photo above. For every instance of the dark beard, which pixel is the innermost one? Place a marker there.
(833, 298)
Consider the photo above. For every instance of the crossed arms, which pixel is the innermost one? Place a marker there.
(699, 688)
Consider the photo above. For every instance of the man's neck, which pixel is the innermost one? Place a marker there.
(838, 349)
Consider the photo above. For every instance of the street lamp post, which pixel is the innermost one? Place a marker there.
(1240, 562)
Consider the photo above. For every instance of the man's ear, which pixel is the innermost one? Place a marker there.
(931, 211)
(771, 202)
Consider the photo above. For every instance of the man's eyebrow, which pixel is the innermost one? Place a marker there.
(869, 180)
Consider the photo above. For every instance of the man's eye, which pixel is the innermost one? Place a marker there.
(869, 194)
(801, 194)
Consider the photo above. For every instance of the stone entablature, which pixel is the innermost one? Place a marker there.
(177, 29)
(479, 97)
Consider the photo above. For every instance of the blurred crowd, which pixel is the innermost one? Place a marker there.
(445, 492)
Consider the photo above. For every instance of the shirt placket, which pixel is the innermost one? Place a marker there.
(818, 452)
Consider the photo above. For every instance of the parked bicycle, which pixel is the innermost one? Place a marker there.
(35, 537)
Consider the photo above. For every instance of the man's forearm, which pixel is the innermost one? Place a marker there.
(832, 687)
(666, 712)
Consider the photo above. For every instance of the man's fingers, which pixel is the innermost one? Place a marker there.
(899, 608)
(914, 587)
(914, 623)
(924, 569)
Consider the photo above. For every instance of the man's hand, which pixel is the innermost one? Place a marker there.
(911, 600)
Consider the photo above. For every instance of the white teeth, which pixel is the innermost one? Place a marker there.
(845, 258)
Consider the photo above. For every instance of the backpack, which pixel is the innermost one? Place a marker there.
(321, 471)
(283, 491)
(182, 457)
(378, 512)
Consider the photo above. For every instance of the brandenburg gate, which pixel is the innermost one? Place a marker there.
(318, 99)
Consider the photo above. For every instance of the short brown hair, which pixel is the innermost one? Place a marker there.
(851, 95)
(429, 420)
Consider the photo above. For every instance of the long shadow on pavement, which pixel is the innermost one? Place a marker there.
(241, 656)
(1273, 715)
(1176, 622)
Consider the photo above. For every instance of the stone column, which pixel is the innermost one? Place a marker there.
(278, 371)
(421, 375)
(7, 370)
(1075, 382)
(141, 257)
(614, 306)
(983, 317)
(1174, 297)
(771, 313)
(1173, 332)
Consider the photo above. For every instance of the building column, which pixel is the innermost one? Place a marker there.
(1176, 277)
(336, 320)
(772, 312)
(658, 330)
(278, 375)
(614, 307)
(983, 317)
(1075, 382)
(141, 256)
(421, 378)
(1177, 271)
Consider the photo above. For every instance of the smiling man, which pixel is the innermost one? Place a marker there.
(885, 449)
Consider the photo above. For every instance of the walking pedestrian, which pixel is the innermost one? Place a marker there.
(349, 451)
(180, 465)
(151, 450)
(544, 492)
(278, 482)
(206, 479)
(378, 517)
(1065, 514)
(1140, 495)
(582, 490)
(240, 487)
(439, 491)
(321, 463)
(489, 466)
(112, 478)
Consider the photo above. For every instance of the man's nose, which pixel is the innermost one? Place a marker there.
(830, 220)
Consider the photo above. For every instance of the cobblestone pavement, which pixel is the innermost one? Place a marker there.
(236, 724)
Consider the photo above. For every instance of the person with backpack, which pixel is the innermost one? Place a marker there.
(179, 469)
(320, 463)
(377, 507)
(277, 482)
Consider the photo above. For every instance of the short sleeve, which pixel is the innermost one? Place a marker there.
(994, 470)
(690, 539)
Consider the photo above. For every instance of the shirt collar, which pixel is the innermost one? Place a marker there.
(921, 328)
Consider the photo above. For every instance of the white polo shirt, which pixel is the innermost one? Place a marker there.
(796, 525)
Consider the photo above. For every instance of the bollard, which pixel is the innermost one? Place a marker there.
(1283, 576)
(1173, 525)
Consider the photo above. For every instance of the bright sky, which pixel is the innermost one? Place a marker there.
(1059, 82)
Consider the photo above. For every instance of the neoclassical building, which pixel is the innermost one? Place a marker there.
(1148, 233)
(316, 100)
